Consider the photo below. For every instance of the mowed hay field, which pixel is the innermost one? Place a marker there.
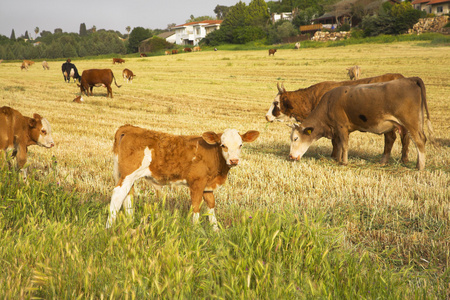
(394, 215)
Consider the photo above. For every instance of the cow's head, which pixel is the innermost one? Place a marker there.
(301, 138)
(40, 131)
(231, 143)
(274, 113)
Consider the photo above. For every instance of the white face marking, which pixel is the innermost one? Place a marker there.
(270, 116)
(299, 144)
(231, 143)
(45, 136)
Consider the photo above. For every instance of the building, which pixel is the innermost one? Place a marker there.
(192, 33)
(169, 36)
(437, 7)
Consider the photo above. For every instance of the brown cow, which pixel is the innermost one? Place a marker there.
(187, 49)
(128, 75)
(17, 132)
(118, 60)
(143, 55)
(200, 162)
(29, 62)
(45, 65)
(97, 77)
(167, 52)
(378, 108)
(272, 51)
(354, 72)
(174, 51)
(24, 66)
(297, 105)
(197, 48)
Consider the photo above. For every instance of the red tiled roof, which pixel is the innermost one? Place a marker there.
(211, 22)
(420, 1)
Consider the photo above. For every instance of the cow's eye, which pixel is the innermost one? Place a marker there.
(296, 139)
(43, 131)
(240, 146)
(223, 146)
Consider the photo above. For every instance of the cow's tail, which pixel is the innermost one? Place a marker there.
(115, 80)
(420, 83)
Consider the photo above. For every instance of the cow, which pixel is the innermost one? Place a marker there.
(297, 105)
(118, 60)
(200, 162)
(378, 108)
(97, 77)
(196, 48)
(174, 51)
(1, 60)
(354, 72)
(29, 62)
(69, 70)
(78, 99)
(272, 51)
(128, 75)
(297, 45)
(187, 49)
(45, 65)
(24, 66)
(17, 132)
(143, 55)
(167, 52)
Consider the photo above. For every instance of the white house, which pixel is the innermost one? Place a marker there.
(437, 7)
(169, 36)
(192, 33)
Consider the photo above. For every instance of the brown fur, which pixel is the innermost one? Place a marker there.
(17, 132)
(118, 60)
(128, 74)
(93, 77)
(378, 108)
(174, 51)
(272, 51)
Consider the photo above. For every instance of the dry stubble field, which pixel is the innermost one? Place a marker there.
(378, 207)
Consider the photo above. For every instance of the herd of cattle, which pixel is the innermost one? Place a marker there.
(382, 104)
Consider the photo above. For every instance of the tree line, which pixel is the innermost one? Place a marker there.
(241, 24)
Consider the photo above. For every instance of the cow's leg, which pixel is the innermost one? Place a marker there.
(418, 136)
(109, 89)
(196, 190)
(91, 88)
(405, 145)
(389, 139)
(334, 152)
(120, 192)
(209, 199)
(343, 146)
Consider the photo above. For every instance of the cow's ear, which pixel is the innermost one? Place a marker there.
(211, 138)
(32, 123)
(37, 117)
(250, 136)
(308, 130)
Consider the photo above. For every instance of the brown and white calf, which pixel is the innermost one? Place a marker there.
(128, 75)
(377, 108)
(200, 162)
(354, 72)
(17, 132)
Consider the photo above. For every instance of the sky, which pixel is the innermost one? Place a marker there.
(26, 15)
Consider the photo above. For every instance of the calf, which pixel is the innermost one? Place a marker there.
(354, 72)
(200, 162)
(45, 65)
(18, 132)
(377, 108)
(272, 51)
(128, 75)
(97, 77)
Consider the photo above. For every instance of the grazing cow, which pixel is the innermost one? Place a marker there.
(69, 70)
(297, 45)
(167, 52)
(378, 108)
(45, 65)
(97, 77)
(17, 132)
(297, 105)
(187, 49)
(196, 48)
(24, 66)
(272, 51)
(118, 60)
(128, 75)
(143, 55)
(29, 62)
(200, 162)
(174, 51)
(354, 72)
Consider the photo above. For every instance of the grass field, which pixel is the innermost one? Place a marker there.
(306, 229)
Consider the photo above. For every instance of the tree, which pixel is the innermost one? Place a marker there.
(128, 29)
(13, 36)
(83, 31)
(26, 35)
(137, 35)
(36, 31)
(259, 12)
(221, 11)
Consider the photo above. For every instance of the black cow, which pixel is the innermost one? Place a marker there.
(69, 70)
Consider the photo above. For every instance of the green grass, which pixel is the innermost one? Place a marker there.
(54, 245)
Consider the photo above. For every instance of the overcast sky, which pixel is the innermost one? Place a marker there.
(23, 15)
